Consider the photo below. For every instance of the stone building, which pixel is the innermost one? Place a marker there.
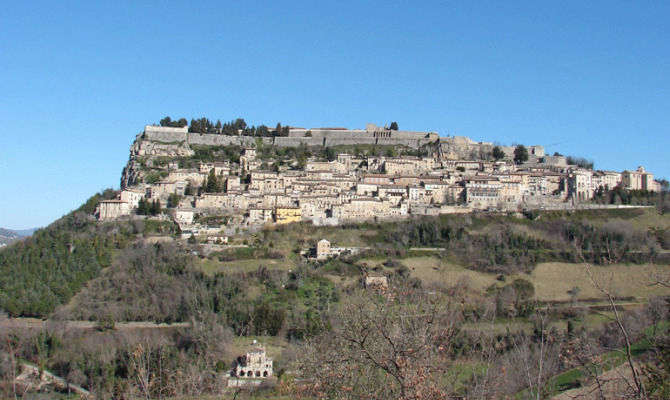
(580, 187)
(132, 196)
(639, 180)
(111, 209)
(322, 249)
(183, 216)
(251, 369)
(285, 215)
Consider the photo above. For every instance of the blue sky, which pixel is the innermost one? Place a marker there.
(80, 79)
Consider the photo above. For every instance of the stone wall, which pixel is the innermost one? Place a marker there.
(455, 147)
(319, 137)
(165, 134)
(219, 140)
(463, 148)
(349, 140)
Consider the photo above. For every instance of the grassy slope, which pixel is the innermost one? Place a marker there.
(552, 281)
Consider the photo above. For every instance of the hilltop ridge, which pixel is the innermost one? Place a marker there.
(248, 177)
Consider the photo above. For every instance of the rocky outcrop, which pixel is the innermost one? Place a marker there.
(464, 148)
(144, 151)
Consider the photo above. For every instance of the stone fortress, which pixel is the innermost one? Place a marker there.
(452, 175)
(372, 134)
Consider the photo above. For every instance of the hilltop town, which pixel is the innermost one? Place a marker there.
(214, 183)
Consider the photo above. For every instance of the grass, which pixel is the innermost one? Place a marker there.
(210, 267)
(285, 237)
(552, 281)
(460, 373)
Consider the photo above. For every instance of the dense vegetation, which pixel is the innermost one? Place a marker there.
(143, 281)
(508, 244)
(47, 269)
(618, 195)
(429, 340)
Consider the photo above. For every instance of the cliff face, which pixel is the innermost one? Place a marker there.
(463, 148)
(144, 151)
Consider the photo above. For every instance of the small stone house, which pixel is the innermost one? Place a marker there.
(323, 249)
(252, 368)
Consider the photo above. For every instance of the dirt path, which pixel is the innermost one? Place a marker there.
(36, 323)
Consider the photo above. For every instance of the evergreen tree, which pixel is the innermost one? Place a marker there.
(520, 154)
(214, 184)
(498, 153)
(143, 207)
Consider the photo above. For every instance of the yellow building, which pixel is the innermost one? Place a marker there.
(286, 215)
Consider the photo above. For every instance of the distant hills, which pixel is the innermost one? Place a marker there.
(8, 236)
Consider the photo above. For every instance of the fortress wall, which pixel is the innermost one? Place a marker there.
(333, 138)
(339, 134)
(296, 141)
(409, 142)
(167, 137)
(409, 135)
(349, 141)
(165, 134)
(220, 140)
(357, 133)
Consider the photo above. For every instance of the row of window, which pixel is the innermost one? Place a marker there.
(251, 373)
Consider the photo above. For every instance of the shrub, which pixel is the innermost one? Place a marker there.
(105, 323)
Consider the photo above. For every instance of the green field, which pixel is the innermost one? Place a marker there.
(552, 281)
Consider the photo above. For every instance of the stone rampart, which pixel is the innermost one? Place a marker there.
(316, 137)
(219, 140)
(296, 141)
(165, 134)
(349, 141)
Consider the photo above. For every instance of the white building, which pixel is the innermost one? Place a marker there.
(111, 209)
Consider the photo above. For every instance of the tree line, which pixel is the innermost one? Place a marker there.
(236, 127)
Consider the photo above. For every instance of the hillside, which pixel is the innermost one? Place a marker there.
(431, 305)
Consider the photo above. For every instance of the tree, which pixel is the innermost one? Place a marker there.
(393, 126)
(392, 347)
(580, 162)
(167, 121)
(520, 154)
(155, 207)
(214, 184)
(189, 191)
(263, 131)
(143, 207)
(498, 153)
(174, 200)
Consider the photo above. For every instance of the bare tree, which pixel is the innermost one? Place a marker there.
(390, 346)
(637, 386)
